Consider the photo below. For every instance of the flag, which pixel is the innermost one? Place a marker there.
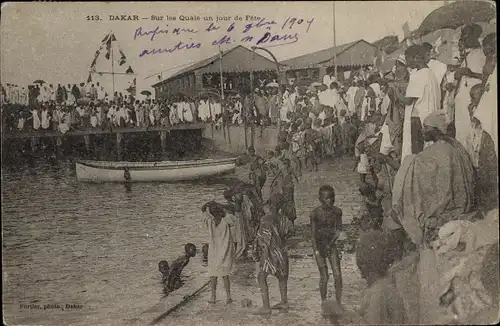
(89, 79)
(109, 39)
(92, 65)
(406, 30)
(129, 70)
(123, 58)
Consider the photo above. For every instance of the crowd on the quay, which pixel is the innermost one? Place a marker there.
(425, 140)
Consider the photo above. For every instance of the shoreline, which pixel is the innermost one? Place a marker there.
(243, 277)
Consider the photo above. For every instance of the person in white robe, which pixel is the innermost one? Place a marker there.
(45, 118)
(36, 119)
(187, 113)
(52, 93)
(468, 75)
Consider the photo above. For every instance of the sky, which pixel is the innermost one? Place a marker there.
(56, 42)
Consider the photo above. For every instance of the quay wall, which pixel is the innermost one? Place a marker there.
(234, 140)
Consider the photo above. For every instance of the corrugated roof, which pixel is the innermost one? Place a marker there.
(203, 63)
(318, 57)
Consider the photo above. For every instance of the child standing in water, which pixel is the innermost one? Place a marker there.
(271, 254)
(221, 246)
(171, 275)
(326, 223)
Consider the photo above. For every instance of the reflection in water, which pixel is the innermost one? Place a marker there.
(81, 243)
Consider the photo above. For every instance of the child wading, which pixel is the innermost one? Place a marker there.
(221, 246)
(271, 254)
(171, 275)
(326, 223)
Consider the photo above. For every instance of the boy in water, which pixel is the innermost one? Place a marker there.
(271, 254)
(172, 278)
(326, 224)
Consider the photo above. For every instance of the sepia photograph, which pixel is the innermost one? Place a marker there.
(249, 163)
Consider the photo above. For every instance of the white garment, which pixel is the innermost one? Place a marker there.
(71, 98)
(36, 119)
(93, 121)
(487, 109)
(52, 93)
(424, 87)
(217, 108)
(386, 146)
(101, 94)
(351, 93)
(45, 119)
(406, 146)
(438, 68)
(20, 124)
(327, 80)
(475, 62)
(186, 109)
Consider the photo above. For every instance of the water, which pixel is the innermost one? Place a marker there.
(95, 245)
(98, 245)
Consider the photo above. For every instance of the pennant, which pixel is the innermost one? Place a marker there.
(105, 38)
(108, 49)
(129, 70)
(123, 58)
(89, 80)
(92, 65)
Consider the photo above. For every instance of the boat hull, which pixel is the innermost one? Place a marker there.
(167, 171)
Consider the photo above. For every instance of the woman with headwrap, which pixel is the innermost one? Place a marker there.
(430, 189)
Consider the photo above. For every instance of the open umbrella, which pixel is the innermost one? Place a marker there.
(457, 14)
(39, 81)
(273, 84)
(316, 84)
(146, 93)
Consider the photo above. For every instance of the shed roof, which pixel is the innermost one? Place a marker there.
(318, 58)
(215, 58)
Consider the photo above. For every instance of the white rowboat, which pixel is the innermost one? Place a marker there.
(164, 171)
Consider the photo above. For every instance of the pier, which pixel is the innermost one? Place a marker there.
(153, 142)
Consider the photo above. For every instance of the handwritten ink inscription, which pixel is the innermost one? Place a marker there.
(254, 30)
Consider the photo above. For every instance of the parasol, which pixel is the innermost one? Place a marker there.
(457, 14)
(146, 93)
(39, 81)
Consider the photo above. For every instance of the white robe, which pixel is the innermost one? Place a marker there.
(45, 119)
(36, 119)
(187, 113)
(487, 109)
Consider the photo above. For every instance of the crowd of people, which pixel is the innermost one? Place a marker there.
(425, 139)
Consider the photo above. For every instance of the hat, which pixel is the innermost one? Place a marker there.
(437, 120)
(401, 59)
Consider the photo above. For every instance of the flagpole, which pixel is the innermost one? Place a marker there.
(334, 43)
(113, 69)
(222, 92)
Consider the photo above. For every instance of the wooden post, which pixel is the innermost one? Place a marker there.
(87, 143)
(119, 138)
(59, 144)
(163, 137)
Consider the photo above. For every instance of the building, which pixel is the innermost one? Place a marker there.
(350, 56)
(237, 63)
